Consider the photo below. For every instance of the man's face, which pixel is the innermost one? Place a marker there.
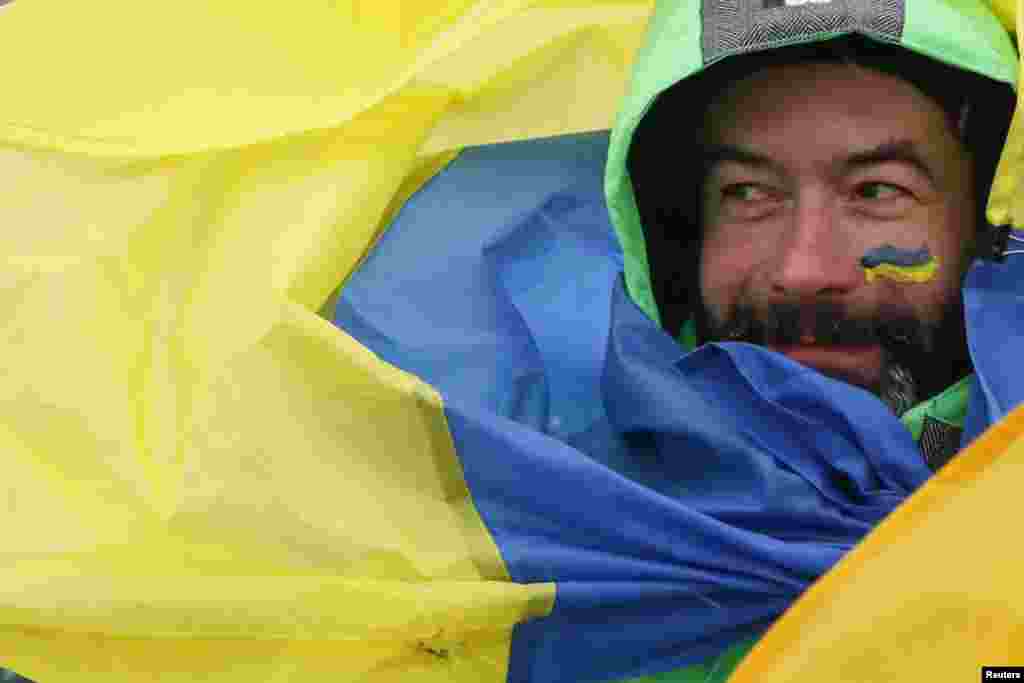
(812, 167)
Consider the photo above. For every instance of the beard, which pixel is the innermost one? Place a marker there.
(919, 359)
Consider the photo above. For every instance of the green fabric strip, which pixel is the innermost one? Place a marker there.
(671, 50)
(688, 335)
(961, 33)
(950, 407)
(715, 670)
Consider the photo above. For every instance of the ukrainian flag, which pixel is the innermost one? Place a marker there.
(206, 478)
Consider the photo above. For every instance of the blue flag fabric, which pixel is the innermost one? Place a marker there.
(747, 477)
(466, 289)
(994, 308)
(679, 501)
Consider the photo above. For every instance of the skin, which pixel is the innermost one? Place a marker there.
(792, 225)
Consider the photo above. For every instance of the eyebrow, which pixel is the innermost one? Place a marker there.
(714, 155)
(898, 151)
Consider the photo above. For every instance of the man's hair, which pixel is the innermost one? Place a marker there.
(667, 170)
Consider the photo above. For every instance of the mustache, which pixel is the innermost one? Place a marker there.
(826, 324)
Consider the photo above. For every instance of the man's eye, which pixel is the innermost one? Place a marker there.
(745, 192)
(878, 191)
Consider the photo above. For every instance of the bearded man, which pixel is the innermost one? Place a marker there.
(831, 207)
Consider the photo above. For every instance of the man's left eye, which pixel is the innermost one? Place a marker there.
(880, 191)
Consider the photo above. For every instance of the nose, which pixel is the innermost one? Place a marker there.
(815, 257)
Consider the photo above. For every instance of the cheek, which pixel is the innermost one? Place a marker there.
(944, 230)
(928, 302)
(724, 270)
(929, 299)
(952, 245)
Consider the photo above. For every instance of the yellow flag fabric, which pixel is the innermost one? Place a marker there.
(1006, 200)
(188, 488)
(204, 480)
(127, 79)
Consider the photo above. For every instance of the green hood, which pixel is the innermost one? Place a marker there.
(686, 37)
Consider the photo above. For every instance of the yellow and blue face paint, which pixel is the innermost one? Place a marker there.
(901, 265)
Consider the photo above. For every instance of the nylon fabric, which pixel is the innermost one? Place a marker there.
(982, 43)
(716, 670)
(504, 332)
(206, 481)
(747, 477)
(994, 307)
(1004, 205)
(252, 73)
(205, 421)
(189, 472)
(903, 584)
(908, 554)
(949, 407)
(555, 500)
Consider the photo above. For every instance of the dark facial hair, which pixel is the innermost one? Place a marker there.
(919, 359)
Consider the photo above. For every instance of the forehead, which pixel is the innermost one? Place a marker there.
(824, 105)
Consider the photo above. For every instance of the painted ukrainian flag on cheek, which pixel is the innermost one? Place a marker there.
(204, 479)
(900, 265)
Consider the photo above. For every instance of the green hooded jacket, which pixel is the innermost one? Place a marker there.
(687, 42)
